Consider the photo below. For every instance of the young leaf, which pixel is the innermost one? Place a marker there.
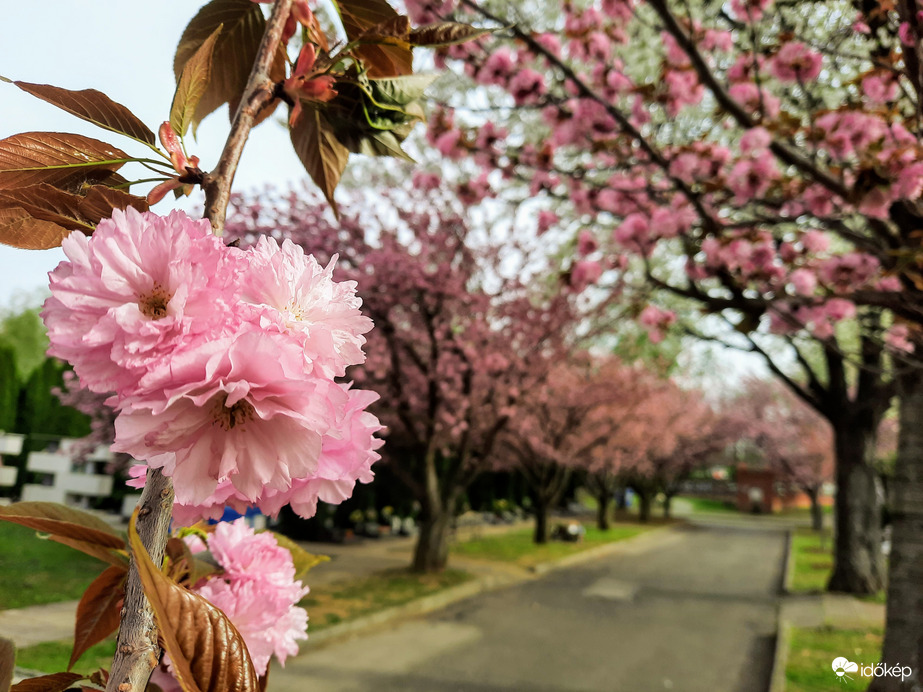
(116, 558)
(59, 159)
(323, 155)
(47, 203)
(234, 53)
(101, 200)
(98, 611)
(304, 561)
(360, 17)
(59, 520)
(57, 682)
(207, 652)
(444, 34)
(7, 660)
(19, 228)
(399, 91)
(192, 84)
(95, 107)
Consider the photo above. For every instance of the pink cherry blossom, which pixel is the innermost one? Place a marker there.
(128, 296)
(749, 10)
(300, 299)
(795, 62)
(239, 409)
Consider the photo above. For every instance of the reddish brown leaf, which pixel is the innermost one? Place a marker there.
(109, 555)
(59, 520)
(101, 200)
(444, 34)
(98, 611)
(390, 59)
(59, 159)
(57, 682)
(47, 203)
(234, 53)
(323, 155)
(7, 661)
(19, 229)
(207, 651)
(95, 107)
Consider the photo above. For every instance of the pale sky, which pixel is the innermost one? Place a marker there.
(125, 50)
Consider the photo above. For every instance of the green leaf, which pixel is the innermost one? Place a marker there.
(207, 652)
(63, 160)
(444, 34)
(95, 107)
(322, 154)
(234, 52)
(304, 561)
(192, 84)
(59, 520)
(382, 144)
(399, 91)
(98, 611)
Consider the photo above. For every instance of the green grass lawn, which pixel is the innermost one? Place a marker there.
(812, 554)
(35, 570)
(812, 652)
(517, 546)
(700, 504)
(330, 604)
(52, 657)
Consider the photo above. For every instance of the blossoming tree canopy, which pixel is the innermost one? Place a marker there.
(223, 365)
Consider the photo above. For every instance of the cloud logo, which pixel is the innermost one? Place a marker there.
(842, 666)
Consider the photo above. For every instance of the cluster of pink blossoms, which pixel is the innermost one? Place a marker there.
(221, 362)
(256, 589)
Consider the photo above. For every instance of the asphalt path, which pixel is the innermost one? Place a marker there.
(696, 613)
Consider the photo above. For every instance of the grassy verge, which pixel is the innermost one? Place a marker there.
(335, 603)
(813, 650)
(517, 546)
(700, 504)
(52, 657)
(36, 571)
(812, 555)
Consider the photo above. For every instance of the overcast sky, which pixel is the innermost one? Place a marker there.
(112, 46)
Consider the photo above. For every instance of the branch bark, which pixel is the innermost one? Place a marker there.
(257, 95)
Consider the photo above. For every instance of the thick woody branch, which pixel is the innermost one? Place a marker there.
(257, 95)
(137, 651)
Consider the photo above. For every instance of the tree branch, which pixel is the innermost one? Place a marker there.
(257, 95)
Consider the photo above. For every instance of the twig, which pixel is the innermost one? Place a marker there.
(258, 94)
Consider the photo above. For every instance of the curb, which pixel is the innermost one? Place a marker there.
(788, 569)
(478, 585)
(780, 660)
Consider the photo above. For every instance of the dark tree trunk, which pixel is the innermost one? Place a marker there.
(603, 500)
(859, 495)
(541, 520)
(817, 512)
(644, 500)
(667, 498)
(903, 645)
(431, 553)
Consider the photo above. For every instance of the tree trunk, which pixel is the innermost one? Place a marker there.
(644, 499)
(431, 553)
(541, 520)
(602, 510)
(903, 645)
(857, 551)
(817, 512)
(667, 498)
